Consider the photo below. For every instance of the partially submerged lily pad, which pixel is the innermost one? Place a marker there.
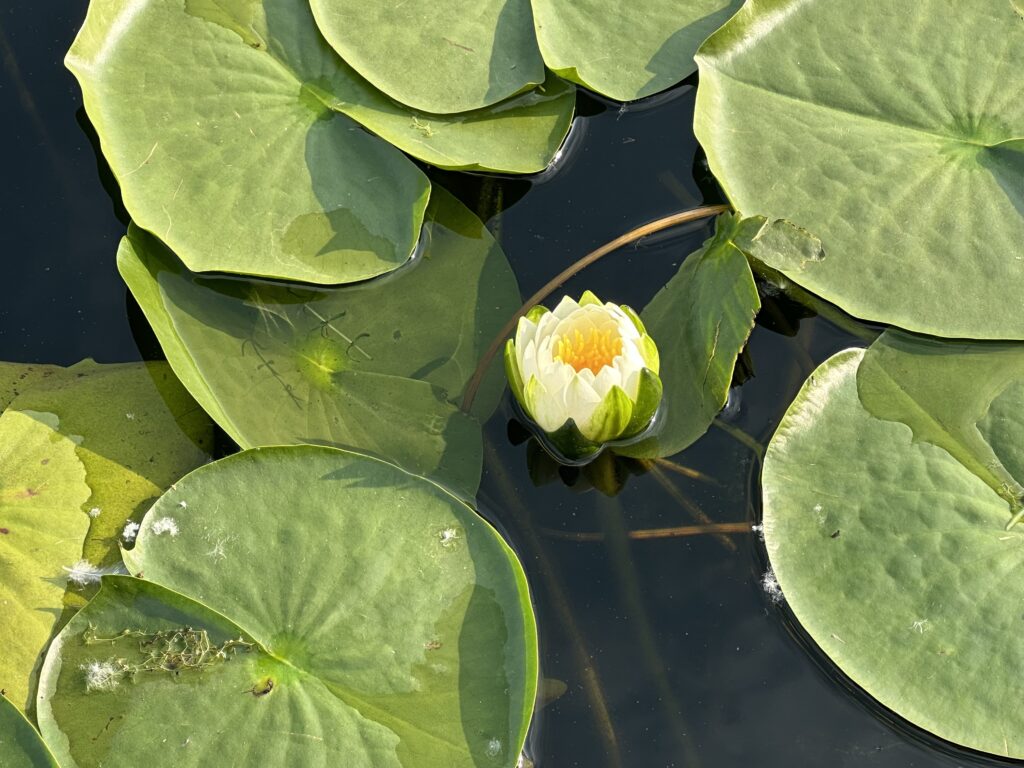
(16, 378)
(701, 320)
(375, 367)
(626, 50)
(20, 745)
(42, 527)
(345, 607)
(136, 430)
(891, 131)
(885, 518)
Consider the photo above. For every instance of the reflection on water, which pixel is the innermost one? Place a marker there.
(670, 651)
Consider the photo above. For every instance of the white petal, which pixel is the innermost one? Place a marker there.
(609, 377)
(548, 410)
(581, 401)
(632, 360)
(565, 307)
(527, 358)
(627, 331)
(545, 358)
(546, 325)
(526, 331)
(629, 372)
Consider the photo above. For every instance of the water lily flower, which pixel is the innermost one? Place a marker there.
(586, 372)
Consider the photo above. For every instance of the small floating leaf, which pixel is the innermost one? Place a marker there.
(701, 320)
(314, 603)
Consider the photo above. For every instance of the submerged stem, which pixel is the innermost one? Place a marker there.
(653, 533)
(556, 591)
(632, 236)
(685, 471)
(741, 436)
(632, 595)
(688, 504)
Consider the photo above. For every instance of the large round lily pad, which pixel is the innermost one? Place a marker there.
(42, 527)
(454, 56)
(20, 745)
(885, 521)
(626, 50)
(360, 613)
(895, 132)
(375, 367)
(211, 116)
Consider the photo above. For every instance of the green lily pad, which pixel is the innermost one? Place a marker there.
(137, 430)
(626, 50)
(519, 135)
(375, 367)
(905, 156)
(212, 117)
(388, 623)
(437, 57)
(20, 745)
(885, 523)
(42, 527)
(700, 321)
(16, 378)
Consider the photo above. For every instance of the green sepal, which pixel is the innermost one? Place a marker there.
(612, 416)
(536, 313)
(648, 398)
(649, 353)
(571, 444)
(589, 298)
(515, 377)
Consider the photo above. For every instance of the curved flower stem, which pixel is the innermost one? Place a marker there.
(653, 533)
(556, 591)
(632, 236)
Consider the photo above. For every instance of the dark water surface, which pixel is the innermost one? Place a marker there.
(671, 651)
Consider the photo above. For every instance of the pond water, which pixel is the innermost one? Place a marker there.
(670, 649)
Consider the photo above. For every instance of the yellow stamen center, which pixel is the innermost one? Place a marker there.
(591, 348)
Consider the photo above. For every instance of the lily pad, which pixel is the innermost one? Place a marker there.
(700, 321)
(388, 623)
(906, 157)
(446, 57)
(42, 527)
(519, 135)
(213, 117)
(16, 378)
(888, 537)
(20, 745)
(626, 50)
(136, 430)
(375, 367)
